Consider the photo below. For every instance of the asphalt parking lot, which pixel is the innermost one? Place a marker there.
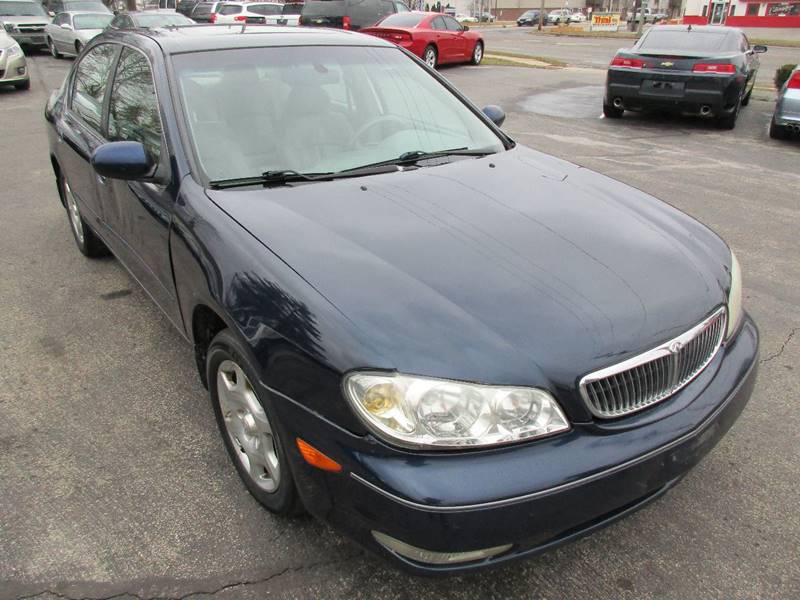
(114, 480)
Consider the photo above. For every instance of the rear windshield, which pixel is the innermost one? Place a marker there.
(327, 8)
(229, 9)
(530, 13)
(701, 41)
(203, 8)
(265, 9)
(92, 21)
(292, 8)
(21, 9)
(86, 6)
(404, 19)
(161, 20)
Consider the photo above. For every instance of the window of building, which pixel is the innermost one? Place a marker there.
(752, 10)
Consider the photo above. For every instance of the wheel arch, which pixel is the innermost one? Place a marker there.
(57, 171)
(206, 323)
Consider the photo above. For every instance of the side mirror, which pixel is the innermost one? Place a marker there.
(465, 28)
(51, 13)
(496, 114)
(759, 49)
(122, 160)
(66, 26)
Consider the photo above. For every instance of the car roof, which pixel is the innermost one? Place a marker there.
(200, 37)
(72, 13)
(699, 29)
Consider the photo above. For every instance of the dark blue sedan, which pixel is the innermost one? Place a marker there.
(455, 349)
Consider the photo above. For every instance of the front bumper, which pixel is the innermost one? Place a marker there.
(38, 40)
(13, 70)
(685, 92)
(533, 496)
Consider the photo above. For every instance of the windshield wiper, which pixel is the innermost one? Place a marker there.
(414, 156)
(283, 177)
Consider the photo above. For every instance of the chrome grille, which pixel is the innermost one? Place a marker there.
(653, 376)
(30, 28)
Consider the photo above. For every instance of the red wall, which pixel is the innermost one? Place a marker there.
(745, 21)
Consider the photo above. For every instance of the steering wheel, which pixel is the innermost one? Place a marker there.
(372, 123)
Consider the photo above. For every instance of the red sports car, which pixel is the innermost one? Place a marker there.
(434, 37)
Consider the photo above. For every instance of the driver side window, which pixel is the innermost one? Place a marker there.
(452, 24)
(91, 80)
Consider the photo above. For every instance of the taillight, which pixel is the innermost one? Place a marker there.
(213, 17)
(714, 68)
(345, 22)
(794, 82)
(627, 63)
(400, 37)
(240, 18)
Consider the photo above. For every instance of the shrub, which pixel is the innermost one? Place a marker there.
(782, 74)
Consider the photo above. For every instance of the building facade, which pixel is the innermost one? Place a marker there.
(742, 13)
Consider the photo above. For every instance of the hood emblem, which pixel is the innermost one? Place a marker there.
(667, 64)
(675, 347)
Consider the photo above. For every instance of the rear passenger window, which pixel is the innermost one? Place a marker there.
(452, 24)
(229, 9)
(133, 109)
(438, 23)
(91, 80)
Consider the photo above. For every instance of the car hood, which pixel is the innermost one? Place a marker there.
(516, 268)
(43, 21)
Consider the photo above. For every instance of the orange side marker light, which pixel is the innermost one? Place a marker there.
(316, 458)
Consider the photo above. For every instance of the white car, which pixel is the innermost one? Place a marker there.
(247, 12)
(466, 19)
(577, 17)
(557, 17)
(71, 31)
(289, 16)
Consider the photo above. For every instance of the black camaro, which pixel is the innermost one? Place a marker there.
(708, 71)
(455, 349)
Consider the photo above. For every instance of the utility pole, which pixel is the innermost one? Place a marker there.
(541, 16)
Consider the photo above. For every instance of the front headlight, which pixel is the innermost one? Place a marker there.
(14, 50)
(734, 297)
(419, 412)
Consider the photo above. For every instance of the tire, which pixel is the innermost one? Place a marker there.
(776, 132)
(249, 426)
(52, 47)
(729, 121)
(746, 99)
(430, 56)
(612, 112)
(477, 53)
(25, 85)
(87, 241)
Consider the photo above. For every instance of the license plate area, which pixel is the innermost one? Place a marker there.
(662, 88)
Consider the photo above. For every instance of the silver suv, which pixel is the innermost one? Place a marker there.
(24, 20)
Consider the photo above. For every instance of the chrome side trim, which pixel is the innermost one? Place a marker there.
(564, 486)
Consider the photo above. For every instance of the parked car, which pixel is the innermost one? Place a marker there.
(348, 14)
(486, 17)
(528, 19)
(290, 15)
(577, 17)
(246, 12)
(203, 11)
(704, 70)
(398, 331)
(150, 19)
(75, 6)
(463, 18)
(13, 66)
(186, 7)
(70, 32)
(24, 20)
(650, 16)
(434, 37)
(786, 118)
(556, 17)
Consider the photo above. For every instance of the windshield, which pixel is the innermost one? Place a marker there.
(317, 109)
(404, 19)
(91, 21)
(683, 40)
(21, 9)
(86, 6)
(161, 20)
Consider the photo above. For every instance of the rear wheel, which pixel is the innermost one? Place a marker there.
(729, 121)
(776, 132)
(611, 111)
(52, 47)
(430, 57)
(477, 54)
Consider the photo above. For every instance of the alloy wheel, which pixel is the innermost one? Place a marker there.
(430, 57)
(477, 54)
(248, 427)
(74, 213)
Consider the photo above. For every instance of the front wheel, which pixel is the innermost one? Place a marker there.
(249, 427)
(53, 50)
(430, 57)
(477, 54)
(88, 243)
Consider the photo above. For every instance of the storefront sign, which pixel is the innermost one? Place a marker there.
(604, 22)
